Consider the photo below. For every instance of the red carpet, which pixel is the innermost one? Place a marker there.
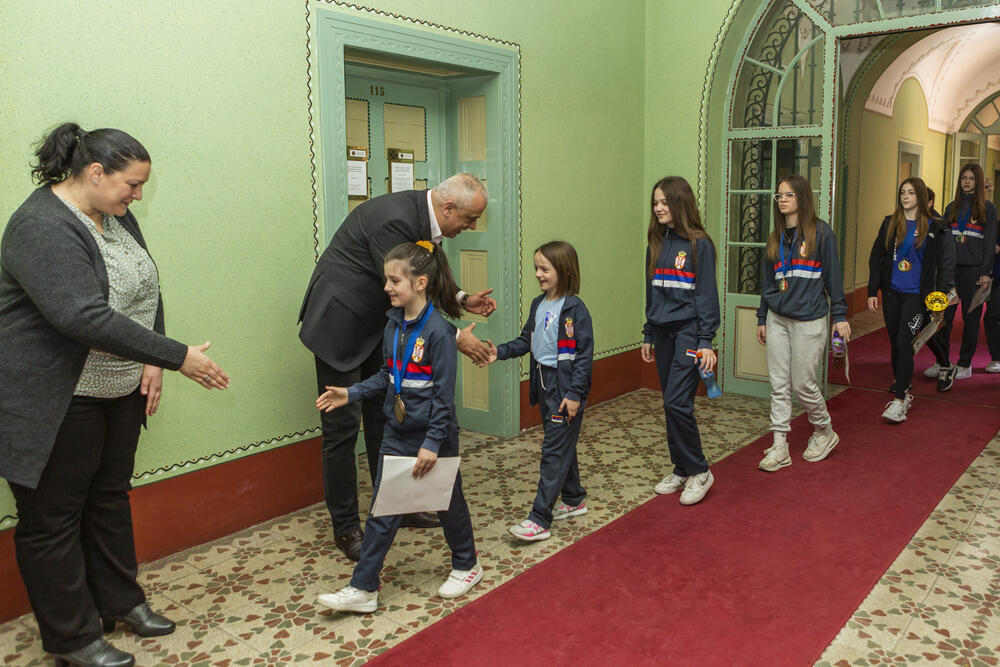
(871, 369)
(764, 572)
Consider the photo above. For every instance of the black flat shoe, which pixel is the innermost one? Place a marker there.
(144, 622)
(350, 544)
(421, 520)
(97, 653)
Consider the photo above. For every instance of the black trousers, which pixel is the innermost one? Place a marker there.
(679, 379)
(74, 542)
(905, 316)
(559, 471)
(340, 433)
(966, 280)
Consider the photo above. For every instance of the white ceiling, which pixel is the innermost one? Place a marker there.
(957, 68)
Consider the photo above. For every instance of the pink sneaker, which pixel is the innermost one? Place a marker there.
(529, 531)
(564, 511)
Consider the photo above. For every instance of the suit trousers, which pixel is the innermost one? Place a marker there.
(380, 531)
(794, 350)
(340, 433)
(74, 542)
(559, 472)
(679, 379)
(966, 280)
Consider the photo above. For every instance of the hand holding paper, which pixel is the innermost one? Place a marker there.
(402, 492)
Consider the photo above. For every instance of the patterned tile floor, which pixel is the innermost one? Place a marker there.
(248, 599)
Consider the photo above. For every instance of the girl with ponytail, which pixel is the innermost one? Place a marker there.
(418, 383)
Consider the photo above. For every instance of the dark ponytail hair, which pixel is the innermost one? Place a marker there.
(68, 149)
(432, 264)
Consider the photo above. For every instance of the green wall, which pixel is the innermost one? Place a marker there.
(878, 165)
(218, 94)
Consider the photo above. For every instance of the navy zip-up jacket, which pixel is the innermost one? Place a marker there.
(576, 350)
(980, 236)
(810, 281)
(937, 272)
(428, 388)
(675, 295)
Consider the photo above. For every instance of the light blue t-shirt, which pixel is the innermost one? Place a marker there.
(545, 341)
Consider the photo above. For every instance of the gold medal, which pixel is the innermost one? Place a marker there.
(783, 285)
(960, 238)
(399, 409)
(904, 265)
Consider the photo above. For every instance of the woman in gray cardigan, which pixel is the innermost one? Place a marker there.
(82, 353)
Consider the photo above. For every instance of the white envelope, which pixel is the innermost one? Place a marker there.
(400, 493)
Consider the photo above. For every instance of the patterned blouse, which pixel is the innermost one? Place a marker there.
(134, 292)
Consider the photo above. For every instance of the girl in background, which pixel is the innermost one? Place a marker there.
(560, 338)
(418, 383)
(802, 284)
(682, 314)
(912, 256)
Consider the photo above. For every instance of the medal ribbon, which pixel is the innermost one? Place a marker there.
(781, 247)
(399, 373)
(906, 245)
(964, 215)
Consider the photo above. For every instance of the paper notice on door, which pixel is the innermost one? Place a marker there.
(400, 493)
(401, 176)
(357, 178)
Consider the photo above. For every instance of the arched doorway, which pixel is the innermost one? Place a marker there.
(776, 114)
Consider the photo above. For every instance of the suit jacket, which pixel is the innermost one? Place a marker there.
(53, 309)
(344, 309)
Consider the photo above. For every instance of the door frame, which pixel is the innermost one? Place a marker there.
(335, 30)
(742, 21)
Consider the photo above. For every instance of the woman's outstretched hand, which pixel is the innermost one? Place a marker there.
(203, 370)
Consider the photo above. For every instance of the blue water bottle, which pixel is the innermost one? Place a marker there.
(708, 377)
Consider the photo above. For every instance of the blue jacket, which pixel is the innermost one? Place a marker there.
(810, 280)
(428, 388)
(978, 238)
(576, 350)
(675, 295)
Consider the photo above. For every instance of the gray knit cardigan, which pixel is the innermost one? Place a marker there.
(53, 309)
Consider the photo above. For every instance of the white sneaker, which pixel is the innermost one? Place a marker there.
(529, 531)
(895, 411)
(670, 484)
(933, 371)
(350, 598)
(993, 366)
(564, 511)
(696, 488)
(459, 582)
(963, 372)
(775, 458)
(821, 443)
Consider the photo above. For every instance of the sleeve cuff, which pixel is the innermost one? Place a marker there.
(431, 445)
(353, 394)
(703, 343)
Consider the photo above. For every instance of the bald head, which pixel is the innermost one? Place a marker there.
(458, 202)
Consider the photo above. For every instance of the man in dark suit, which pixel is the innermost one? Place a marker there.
(343, 316)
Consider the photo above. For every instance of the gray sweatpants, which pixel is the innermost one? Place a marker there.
(794, 350)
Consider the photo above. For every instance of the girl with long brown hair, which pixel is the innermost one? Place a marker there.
(973, 222)
(802, 285)
(912, 256)
(682, 313)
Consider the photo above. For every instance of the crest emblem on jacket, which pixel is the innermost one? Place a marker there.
(802, 249)
(680, 260)
(418, 350)
(569, 327)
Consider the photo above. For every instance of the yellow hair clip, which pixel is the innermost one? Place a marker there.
(426, 245)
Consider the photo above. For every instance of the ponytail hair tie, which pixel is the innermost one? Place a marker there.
(426, 245)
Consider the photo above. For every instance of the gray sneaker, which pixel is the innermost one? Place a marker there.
(895, 411)
(933, 371)
(964, 372)
(350, 598)
(696, 488)
(775, 458)
(993, 366)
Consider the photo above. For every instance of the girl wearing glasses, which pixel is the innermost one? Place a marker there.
(802, 284)
(912, 257)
